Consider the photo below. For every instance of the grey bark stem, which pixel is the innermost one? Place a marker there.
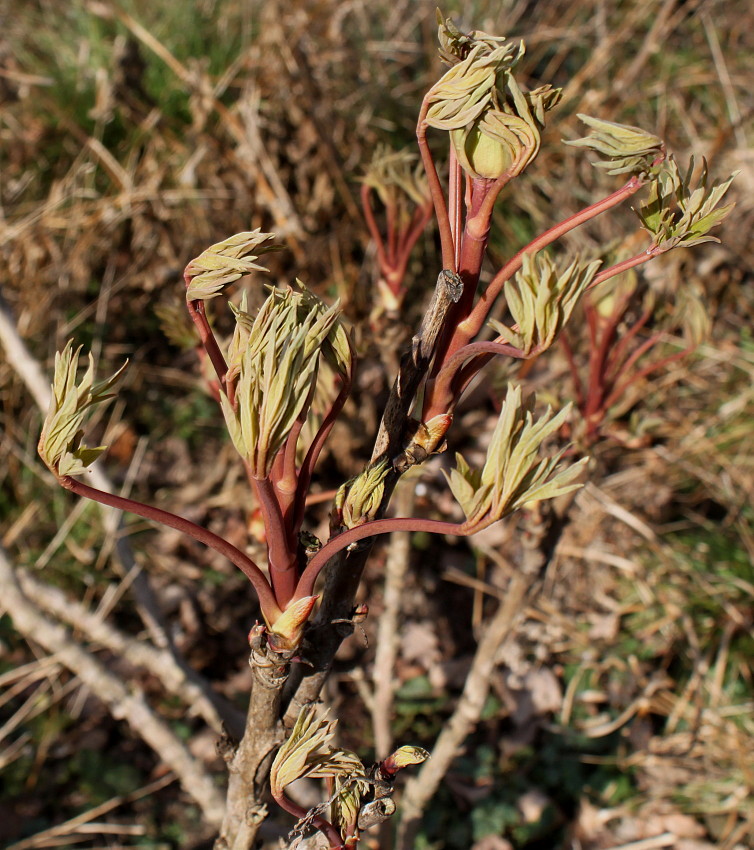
(396, 567)
(249, 763)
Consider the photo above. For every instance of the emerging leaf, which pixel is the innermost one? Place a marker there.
(677, 215)
(495, 127)
(513, 473)
(225, 262)
(358, 500)
(307, 753)
(395, 175)
(60, 444)
(627, 149)
(275, 357)
(541, 302)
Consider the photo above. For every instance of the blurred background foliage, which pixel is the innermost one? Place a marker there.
(134, 134)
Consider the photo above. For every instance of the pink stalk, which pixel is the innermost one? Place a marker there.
(372, 529)
(637, 260)
(374, 230)
(435, 190)
(453, 378)
(268, 604)
(199, 318)
(324, 826)
(572, 368)
(313, 452)
(456, 211)
(473, 246)
(642, 373)
(282, 561)
(618, 353)
(473, 324)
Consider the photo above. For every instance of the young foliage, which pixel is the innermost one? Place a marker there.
(678, 215)
(225, 262)
(495, 127)
(627, 149)
(513, 473)
(276, 357)
(541, 301)
(60, 443)
(357, 501)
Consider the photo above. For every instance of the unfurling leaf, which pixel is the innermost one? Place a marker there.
(275, 357)
(307, 753)
(494, 126)
(513, 473)
(225, 262)
(677, 215)
(397, 174)
(358, 500)
(60, 444)
(627, 149)
(541, 301)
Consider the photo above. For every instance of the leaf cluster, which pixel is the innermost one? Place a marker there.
(394, 173)
(627, 149)
(61, 444)
(494, 126)
(275, 357)
(225, 262)
(513, 473)
(358, 500)
(679, 215)
(541, 301)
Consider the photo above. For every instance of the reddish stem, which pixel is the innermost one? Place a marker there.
(270, 608)
(324, 826)
(305, 585)
(642, 373)
(281, 560)
(313, 452)
(578, 387)
(435, 190)
(199, 318)
(454, 198)
(619, 352)
(374, 230)
(637, 260)
(473, 324)
(447, 387)
(474, 244)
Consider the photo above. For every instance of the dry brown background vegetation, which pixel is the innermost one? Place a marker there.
(134, 134)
